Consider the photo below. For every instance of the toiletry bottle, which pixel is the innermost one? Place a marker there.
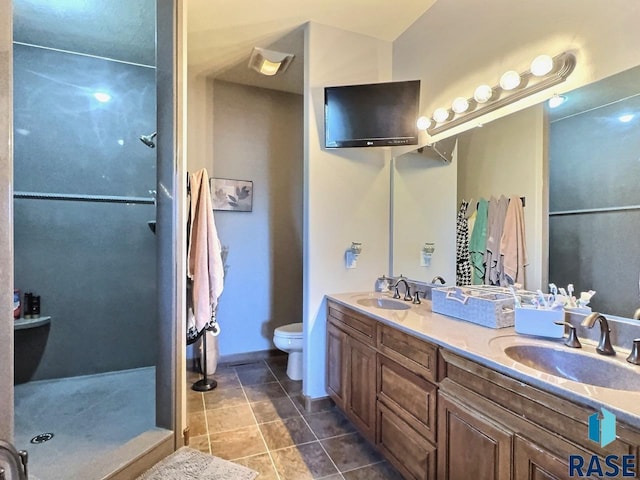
(35, 306)
(16, 304)
(28, 296)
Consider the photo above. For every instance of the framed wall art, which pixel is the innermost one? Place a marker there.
(231, 195)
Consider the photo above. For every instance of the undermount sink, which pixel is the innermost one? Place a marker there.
(383, 303)
(571, 365)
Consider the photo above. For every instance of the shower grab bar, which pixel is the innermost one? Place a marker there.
(595, 210)
(85, 198)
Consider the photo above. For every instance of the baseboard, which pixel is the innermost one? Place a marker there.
(248, 357)
(313, 405)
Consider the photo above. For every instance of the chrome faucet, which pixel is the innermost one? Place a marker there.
(407, 293)
(438, 278)
(604, 346)
(636, 314)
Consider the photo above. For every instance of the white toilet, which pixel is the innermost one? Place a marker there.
(288, 338)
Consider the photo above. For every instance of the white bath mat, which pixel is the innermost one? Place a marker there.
(187, 463)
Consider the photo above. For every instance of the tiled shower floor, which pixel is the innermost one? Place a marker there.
(90, 416)
(255, 418)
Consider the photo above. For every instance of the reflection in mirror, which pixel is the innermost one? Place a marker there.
(589, 146)
(594, 200)
(442, 150)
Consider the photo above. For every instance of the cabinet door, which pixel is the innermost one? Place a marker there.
(361, 390)
(336, 364)
(532, 462)
(470, 445)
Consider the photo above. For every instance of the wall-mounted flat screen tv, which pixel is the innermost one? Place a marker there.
(371, 115)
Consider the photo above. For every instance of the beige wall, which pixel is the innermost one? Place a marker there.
(506, 157)
(199, 122)
(346, 190)
(456, 46)
(6, 223)
(258, 137)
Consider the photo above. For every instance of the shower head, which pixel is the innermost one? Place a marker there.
(148, 140)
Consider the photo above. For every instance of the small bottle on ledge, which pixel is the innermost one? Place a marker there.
(35, 306)
(26, 307)
(16, 304)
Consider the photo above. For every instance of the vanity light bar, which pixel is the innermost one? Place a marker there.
(500, 96)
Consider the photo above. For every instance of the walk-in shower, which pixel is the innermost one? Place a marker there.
(83, 197)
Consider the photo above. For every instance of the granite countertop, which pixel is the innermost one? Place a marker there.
(486, 346)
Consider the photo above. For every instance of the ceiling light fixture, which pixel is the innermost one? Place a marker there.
(460, 105)
(441, 115)
(545, 72)
(510, 80)
(423, 123)
(541, 65)
(483, 94)
(557, 100)
(269, 62)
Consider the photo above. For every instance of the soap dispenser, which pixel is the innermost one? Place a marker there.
(382, 284)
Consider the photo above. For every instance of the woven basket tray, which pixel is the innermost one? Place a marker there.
(488, 306)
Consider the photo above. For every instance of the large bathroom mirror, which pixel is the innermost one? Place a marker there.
(577, 167)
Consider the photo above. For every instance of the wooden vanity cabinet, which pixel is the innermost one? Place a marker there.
(528, 433)
(435, 414)
(384, 381)
(351, 366)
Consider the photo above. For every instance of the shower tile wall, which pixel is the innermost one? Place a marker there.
(93, 264)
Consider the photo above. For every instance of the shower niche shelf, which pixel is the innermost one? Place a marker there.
(25, 323)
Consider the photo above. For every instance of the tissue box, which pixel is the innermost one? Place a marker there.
(539, 322)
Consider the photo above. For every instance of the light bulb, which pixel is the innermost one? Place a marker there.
(510, 80)
(423, 123)
(441, 115)
(557, 100)
(541, 65)
(483, 94)
(102, 97)
(626, 118)
(460, 105)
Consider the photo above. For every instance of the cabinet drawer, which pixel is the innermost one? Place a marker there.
(355, 324)
(405, 448)
(416, 355)
(411, 397)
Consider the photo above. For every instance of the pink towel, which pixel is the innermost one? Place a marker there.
(513, 248)
(205, 266)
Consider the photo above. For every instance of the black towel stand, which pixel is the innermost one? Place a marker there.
(204, 384)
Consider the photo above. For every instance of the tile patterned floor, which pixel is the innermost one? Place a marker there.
(255, 418)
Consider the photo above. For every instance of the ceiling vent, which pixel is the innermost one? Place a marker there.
(269, 62)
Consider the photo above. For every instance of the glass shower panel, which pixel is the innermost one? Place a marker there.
(89, 254)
